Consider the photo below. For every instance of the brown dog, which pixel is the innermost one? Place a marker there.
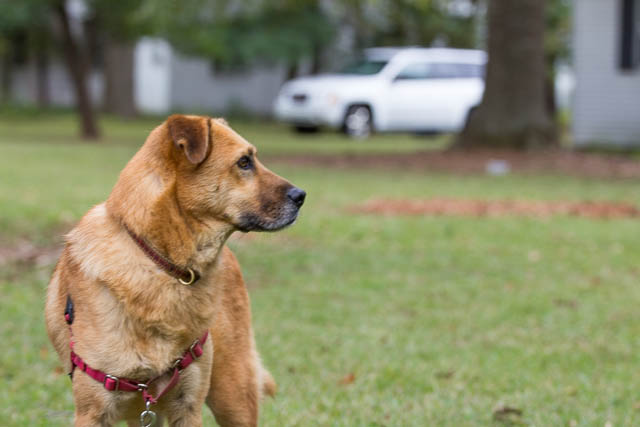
(146, 273)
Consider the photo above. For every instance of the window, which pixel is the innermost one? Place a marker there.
(471, 71)
(630, 35)
(414, 71)
(364, 67)
(441, 70)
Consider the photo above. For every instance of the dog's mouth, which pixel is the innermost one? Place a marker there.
(252, 222)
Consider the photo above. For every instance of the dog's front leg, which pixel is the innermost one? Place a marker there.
(91, 419)
(93, 405)
(186, 421)
(184, 408)
(185, 412)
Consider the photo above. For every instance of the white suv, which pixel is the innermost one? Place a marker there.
(389, 89)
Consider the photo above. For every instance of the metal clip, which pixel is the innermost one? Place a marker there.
(176, 364)
(195, 343)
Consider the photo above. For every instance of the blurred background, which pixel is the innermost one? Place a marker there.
(467, 251)
(232, 57)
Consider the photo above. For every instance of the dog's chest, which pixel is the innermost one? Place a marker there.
(133, 341)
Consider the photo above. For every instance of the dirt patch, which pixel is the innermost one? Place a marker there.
(563, 162)
(497, 208)
(25, 252)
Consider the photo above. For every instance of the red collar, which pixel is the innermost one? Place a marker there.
(186, 276)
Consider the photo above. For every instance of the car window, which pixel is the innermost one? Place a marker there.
(364, 67)
(440, 70)
(417, 70)
(469, 70)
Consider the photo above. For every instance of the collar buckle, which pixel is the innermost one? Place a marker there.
(112, 378)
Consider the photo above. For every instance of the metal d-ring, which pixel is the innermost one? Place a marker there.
(191, 279)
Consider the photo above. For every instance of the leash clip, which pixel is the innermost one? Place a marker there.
(147, 417)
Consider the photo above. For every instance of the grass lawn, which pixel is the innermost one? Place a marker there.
(366, 320)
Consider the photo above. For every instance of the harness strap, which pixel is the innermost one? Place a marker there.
(110, 382)
(113, 383)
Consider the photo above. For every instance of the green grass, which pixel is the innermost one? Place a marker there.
(271, 138)
(440, 320)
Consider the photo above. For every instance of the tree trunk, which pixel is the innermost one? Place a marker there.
(316, 60)
(513, 112)
(292, 72)
(42, 77)
(550, 85)
(78, 72)
(119, 90)
(7, 70)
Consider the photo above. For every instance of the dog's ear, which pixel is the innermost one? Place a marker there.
(191, 135)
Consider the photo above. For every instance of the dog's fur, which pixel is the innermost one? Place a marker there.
(184, 192)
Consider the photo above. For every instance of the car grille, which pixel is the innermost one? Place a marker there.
(299, 98)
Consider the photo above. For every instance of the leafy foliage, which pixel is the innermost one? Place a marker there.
(240, 34)
(26, 20)
(558, 29)
(409, 22)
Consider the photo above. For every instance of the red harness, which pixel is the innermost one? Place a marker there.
(113, 383)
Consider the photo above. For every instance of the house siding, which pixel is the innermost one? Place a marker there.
(61, 92)
(607, 99)
(196, 86)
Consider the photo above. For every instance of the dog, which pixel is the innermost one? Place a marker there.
(146, 306)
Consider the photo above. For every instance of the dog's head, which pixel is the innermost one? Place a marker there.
(220, 177)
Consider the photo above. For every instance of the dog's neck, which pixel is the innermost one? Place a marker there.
(147, 204)
(185, 241)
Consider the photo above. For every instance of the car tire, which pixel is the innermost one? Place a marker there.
(305, 129)
(358, 121)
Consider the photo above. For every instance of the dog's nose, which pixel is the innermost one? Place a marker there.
(297, 195)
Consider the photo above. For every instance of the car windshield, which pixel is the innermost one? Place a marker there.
(364, 67)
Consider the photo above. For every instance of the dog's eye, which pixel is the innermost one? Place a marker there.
(245, 163)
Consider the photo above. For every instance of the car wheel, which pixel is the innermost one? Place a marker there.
(305, 129)
(358, 121)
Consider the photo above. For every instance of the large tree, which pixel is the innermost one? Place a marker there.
(513, 111)
(78, 70)
(30, 21)
(119, 24)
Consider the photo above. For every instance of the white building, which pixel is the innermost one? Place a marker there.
(168, 81)
(164, 81)
(606, 57)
